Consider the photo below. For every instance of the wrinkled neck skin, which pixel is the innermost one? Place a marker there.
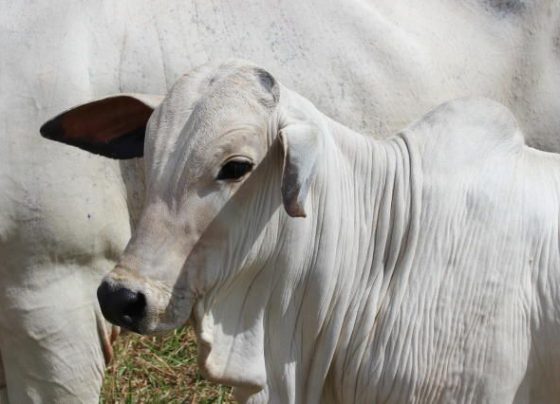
(329, 274)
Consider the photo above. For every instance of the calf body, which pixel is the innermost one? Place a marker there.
(319, 265)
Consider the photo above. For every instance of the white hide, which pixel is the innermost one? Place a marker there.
(426, 268)
(64, 215)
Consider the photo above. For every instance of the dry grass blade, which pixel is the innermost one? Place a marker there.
(157, 370)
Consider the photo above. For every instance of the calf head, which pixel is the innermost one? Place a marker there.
(223, 152)
(222, 157)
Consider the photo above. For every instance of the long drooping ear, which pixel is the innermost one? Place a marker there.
(112, 127)
(300, 143)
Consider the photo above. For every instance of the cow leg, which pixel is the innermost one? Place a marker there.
(3, 391)
(52, 336)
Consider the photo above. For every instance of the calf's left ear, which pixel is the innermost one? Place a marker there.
(300, 144)
(112, 127)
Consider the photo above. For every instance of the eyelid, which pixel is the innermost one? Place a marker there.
(239, 158)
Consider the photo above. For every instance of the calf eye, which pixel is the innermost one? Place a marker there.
(234, 170)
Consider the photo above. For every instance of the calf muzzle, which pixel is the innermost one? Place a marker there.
(121, 306)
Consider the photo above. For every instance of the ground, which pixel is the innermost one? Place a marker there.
(157, 370)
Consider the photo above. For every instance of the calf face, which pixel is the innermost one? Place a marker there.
(216, 177)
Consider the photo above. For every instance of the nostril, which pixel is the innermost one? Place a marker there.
(135, 306)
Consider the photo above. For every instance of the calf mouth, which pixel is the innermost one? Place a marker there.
(140, 305)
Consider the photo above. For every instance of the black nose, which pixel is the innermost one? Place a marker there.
(121, 306)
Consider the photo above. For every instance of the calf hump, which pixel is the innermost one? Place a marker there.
(504, 7)
(465, 130)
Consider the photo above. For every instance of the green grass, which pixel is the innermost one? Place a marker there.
(159, 370)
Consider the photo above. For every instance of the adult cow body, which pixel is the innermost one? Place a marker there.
(64, 215)
(319, 265)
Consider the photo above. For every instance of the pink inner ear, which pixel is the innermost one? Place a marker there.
(104, 120)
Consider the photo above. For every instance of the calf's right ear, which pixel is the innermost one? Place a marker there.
(299, 143)
(112, 127)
